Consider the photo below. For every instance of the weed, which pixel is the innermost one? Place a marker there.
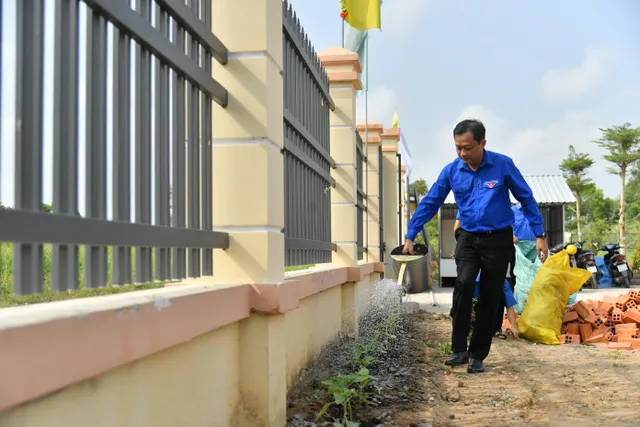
(347, 390)
(444, 349)
(615, 355)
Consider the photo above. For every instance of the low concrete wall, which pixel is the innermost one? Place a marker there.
(193, 355)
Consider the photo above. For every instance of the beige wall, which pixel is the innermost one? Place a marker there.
(180, 356)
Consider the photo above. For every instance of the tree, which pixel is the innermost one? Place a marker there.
(623, 146)
(419, 187)
(574, 168)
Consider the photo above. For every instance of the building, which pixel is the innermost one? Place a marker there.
(552, 194)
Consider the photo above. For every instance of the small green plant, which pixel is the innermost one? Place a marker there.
(616, 355)
(347, 390)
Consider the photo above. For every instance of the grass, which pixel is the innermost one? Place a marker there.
(8, 299)
(298, 267)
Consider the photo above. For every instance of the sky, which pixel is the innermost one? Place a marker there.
(541, 75)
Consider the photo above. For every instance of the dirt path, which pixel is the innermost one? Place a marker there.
(525, 384)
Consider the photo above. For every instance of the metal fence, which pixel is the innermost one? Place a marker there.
(130, 143)
(307, 162)
(361, 208)
(383, 245)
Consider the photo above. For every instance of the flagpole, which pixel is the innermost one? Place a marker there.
(366, 144)
(342, 36)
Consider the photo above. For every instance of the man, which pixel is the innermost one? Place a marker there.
(481, 181)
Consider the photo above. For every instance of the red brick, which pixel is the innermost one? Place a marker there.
(569, 339)
(624, 326)
(631, 304)
(582, 309)
(606, 306)
(570, 316)
(598, 336)
(616, 315)
(635, 343)
(563, 329)
(585, 331)
(593, 320)
(600, 311)
(632, 315)
(615, 338)
(621, 301)
(619, 346)
(628, 332)
(573, 329)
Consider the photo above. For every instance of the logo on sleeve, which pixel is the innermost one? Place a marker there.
(490, 184)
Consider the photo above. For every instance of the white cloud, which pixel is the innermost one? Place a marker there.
(535, 150)
(568, 83)
(382, 102)
(398, 16)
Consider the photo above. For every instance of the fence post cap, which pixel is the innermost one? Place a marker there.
(337, 56)
(372, 125)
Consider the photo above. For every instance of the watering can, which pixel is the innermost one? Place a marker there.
(412, 270)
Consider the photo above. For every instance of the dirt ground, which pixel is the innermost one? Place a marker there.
(525, 384)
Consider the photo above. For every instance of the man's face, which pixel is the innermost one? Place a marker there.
(468, 149)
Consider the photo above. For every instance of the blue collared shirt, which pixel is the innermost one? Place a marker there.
(482, 196)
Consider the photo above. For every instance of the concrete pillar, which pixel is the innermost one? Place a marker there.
(371, 184)
(342, 67)
(389, 139)
(248, 136)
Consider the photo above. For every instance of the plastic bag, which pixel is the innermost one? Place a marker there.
(542, 317)
(525, 270)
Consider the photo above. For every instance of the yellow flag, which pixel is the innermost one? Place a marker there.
(394, 122)
(361, 14)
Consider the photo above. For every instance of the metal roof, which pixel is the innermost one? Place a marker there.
(547, 190)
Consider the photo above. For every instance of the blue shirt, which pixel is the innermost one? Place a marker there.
(482, 196)
(509, 299)
(521, 228)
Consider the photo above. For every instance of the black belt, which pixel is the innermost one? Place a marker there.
(491, 232)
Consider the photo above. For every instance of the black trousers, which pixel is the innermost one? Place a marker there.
(490, 252)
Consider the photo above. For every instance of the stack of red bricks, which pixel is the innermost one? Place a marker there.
(614, 321)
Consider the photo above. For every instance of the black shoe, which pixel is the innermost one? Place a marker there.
(457, 359)
(475, 366)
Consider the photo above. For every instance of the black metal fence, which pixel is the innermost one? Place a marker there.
(383, 245)
(126, 168)
(360, 205)
(307, 162)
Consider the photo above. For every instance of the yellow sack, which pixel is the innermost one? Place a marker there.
(544, 310)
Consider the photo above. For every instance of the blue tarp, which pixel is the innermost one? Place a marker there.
(605, 281)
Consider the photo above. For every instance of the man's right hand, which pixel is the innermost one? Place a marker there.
(408, 247)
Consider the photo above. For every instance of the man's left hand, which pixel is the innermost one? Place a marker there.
(542, 248)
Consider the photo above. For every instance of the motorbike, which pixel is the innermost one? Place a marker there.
(616, 263)
(584, 259)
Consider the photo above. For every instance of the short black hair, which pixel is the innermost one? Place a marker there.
(471, 125)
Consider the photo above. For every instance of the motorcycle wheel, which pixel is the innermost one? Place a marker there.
(627, 281)
(594, 281)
